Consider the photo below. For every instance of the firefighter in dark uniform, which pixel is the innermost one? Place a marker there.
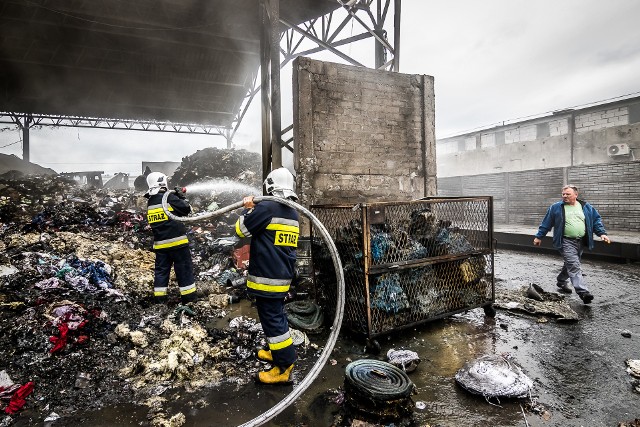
(273, 228)
(170, 241)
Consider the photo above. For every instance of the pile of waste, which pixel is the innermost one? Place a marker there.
(216, 178)
(12, 166)
(237, 165)
(79, 329)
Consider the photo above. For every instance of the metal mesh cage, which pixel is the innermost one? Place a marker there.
(407, 262)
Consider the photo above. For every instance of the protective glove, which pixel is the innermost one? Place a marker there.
(180, 193)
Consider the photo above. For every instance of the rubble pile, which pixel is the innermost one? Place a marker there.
(78, 327)
(210, 163)
(12, 166)
(217, 178)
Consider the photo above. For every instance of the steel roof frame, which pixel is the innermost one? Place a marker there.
(322, 31)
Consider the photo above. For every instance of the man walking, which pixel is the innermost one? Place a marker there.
(574, 222)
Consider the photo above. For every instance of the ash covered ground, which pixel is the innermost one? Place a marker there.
(78, 327)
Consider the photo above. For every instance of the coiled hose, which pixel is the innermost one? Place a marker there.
(305, 315)
(337, 322)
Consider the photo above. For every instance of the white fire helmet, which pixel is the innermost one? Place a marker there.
(155, 181)
(280, 183)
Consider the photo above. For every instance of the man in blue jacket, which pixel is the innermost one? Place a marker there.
(574, 222)
(274, 230)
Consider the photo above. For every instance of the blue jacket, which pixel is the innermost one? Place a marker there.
(555, 219)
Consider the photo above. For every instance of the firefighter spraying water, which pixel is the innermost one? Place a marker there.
(272, 223)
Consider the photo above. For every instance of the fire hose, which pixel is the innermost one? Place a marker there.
(335, 328)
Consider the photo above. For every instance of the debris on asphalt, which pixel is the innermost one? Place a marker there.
(520, 300)
(494, 376)
(633, 367)
(406, 360)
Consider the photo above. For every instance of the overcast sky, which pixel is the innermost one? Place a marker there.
(492, 60)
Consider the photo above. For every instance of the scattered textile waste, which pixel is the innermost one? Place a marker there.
(77, 313)
(13, 396)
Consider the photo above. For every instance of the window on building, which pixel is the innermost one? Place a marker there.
(461, 145)
(634, 113)
(500, 138)
(542, 130)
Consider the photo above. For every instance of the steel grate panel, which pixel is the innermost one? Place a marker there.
(412, 262)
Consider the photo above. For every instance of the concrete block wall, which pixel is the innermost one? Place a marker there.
(596, 120)
(362, 135)
(558, 127)
(531, 193)
(520, 134)
(522, 198)
(614, 190)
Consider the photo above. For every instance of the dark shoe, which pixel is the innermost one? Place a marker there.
(564, 287)
(586, 297)
(160, 300)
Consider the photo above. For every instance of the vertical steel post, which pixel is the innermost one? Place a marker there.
(379, 31)
(25, 137)
(265, 86)
(276, 122)
(270, 85)
(396, 35)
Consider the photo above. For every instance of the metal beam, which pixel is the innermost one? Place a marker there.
(104, 123)
(321, 43)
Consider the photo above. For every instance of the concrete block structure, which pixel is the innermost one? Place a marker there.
(362, 135)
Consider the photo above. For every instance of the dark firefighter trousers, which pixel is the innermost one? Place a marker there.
(275, 324)
(180, 259)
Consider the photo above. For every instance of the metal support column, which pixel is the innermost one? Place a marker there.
(270, 86)
(25, 125)
(396, 35)
(380, 53)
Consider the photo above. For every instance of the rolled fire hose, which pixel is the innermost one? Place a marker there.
(337, 322)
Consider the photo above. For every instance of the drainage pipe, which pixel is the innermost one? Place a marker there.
(337, 322)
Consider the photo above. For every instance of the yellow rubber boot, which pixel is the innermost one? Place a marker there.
(265, 355)
(276, 376)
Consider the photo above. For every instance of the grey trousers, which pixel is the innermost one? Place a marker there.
(572, 270)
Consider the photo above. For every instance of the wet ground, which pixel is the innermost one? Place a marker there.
(578, 368)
